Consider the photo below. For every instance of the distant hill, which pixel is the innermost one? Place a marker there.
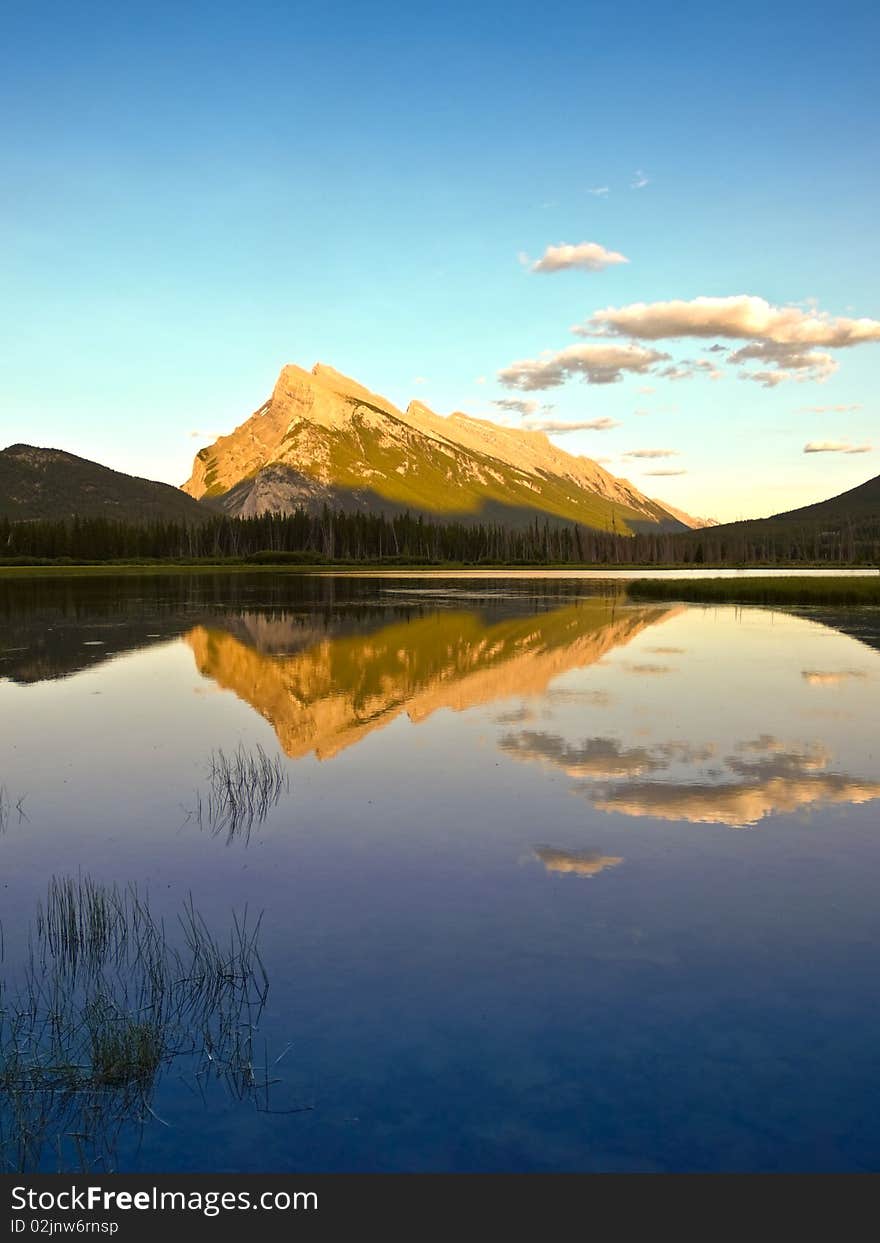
(322, 439)
(857, 504)
(848, 523)
(51, 484)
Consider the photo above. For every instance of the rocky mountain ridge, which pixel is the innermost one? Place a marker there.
(322, 438)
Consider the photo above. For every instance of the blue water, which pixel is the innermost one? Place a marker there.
(560, 882)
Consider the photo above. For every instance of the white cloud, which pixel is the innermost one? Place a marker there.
(558, 428)
(665, 473)
(741, 317)
(835, 446)
(420, 379)
(596, 364)
(651, 453)
(599, 191)
(590, 256)
(642, 414)
(640, 180)
(784, 338)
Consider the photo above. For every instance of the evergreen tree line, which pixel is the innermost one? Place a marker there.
(338, 536)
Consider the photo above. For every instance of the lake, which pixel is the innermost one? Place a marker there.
(549, 880)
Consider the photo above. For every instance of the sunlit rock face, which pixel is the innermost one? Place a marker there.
(337, 690)
(321, 438)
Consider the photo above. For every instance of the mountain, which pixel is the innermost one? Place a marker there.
(322, 438)
(51, 484)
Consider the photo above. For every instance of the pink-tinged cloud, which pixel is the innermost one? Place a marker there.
(558, 427)
(595, 364)
(829, 409)
(589, 256)
(741, 317)
(514, 405)
(835, 446)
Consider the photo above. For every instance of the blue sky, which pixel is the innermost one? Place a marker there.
(194, 195)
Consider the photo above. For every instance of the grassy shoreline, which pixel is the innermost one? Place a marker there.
(61, 569)
(771, 590)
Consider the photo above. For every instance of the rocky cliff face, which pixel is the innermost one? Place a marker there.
(322, 438)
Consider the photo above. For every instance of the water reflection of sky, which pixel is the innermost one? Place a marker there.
(509, 924)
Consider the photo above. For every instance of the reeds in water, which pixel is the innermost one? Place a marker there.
(242, 789)
(8, 809)
(106, 1003)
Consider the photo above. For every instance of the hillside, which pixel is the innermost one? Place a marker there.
(321, 438)
(51, 484)
(857, 505)
(846, 526)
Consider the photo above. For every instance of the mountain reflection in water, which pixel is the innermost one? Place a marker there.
(510, 907)
(334, 693)
(672, 728)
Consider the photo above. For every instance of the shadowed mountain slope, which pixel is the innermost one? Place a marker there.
(52, 484)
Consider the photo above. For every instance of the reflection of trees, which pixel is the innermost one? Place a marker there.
(105, 1005)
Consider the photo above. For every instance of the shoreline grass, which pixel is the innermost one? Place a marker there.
(780, 589)
(132, 569)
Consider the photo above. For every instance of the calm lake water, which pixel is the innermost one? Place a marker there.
(558, 882)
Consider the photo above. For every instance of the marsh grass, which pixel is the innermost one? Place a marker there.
(107, 1002)
(123, 1051)
(242, 789)
(778, 589)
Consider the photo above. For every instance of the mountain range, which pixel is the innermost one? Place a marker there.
(321, 438)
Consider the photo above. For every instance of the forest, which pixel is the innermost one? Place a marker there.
(340, 537)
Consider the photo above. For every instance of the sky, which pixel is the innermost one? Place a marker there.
(658, 220)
